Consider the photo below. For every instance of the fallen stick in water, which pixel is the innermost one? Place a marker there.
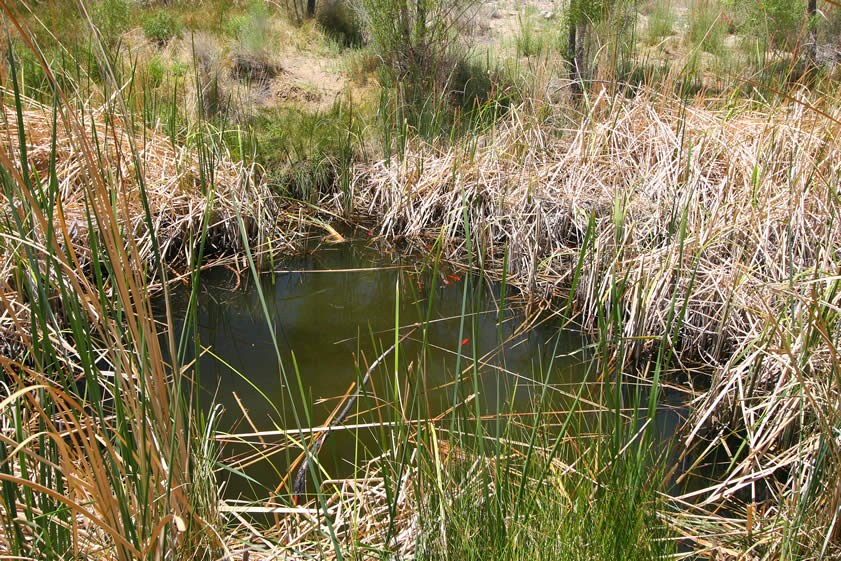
(299, 485)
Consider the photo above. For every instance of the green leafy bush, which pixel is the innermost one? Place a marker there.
(305, 152)
(161, 26)
(782, 20)
(778, 22)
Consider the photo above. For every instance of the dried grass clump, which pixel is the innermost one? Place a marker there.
(253, 67)
(180, 194)
(360, 514)
(728, 218)
(182, 191)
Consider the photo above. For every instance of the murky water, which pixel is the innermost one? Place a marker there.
(331, 314)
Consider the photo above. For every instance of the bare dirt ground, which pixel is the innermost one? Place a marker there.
(309, 79)
(501, 19)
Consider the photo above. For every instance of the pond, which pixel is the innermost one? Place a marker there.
(330, 314)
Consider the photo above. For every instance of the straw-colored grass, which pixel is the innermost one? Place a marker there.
(183, 192)
(123, 475)
(717, 231)
(178, 196)
(361, 515)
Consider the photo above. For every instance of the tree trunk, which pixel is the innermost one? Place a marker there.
(571, 42)
(574, 57)
(310, 8)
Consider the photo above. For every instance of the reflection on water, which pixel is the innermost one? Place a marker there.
(334, 312)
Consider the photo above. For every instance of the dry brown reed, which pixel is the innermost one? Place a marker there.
(729, 213)
(362, 517)
(124, 476)
(179, 193)
(183, 192)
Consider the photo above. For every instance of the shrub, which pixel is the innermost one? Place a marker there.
(475, 85)
(339, 20)
(529, 40)
(661, 21)
(706, 26)
(253, 30)
(112, 18)
(179, 69)
(359, 64)
(155, 71)
(299, 10)
(251, 57)
(777, 22)
(416, 40)
(160, 27)
(781, 20)
(235, 25)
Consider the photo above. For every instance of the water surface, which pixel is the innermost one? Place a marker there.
(332, 313)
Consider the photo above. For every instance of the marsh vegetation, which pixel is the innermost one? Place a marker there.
(439, 280)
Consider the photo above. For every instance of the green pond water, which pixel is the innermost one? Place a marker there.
(332, 313)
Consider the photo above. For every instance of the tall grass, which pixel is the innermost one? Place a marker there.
(661, 21)
(681, 233)
(706, 27)
(530, 39)
(100, 447)
(565, 478)
(98, 442)
(705, 231)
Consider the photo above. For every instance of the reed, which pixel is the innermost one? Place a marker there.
(96, 445)
(683, 234)
(711, 230)
(101, 452)
(577, 481)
